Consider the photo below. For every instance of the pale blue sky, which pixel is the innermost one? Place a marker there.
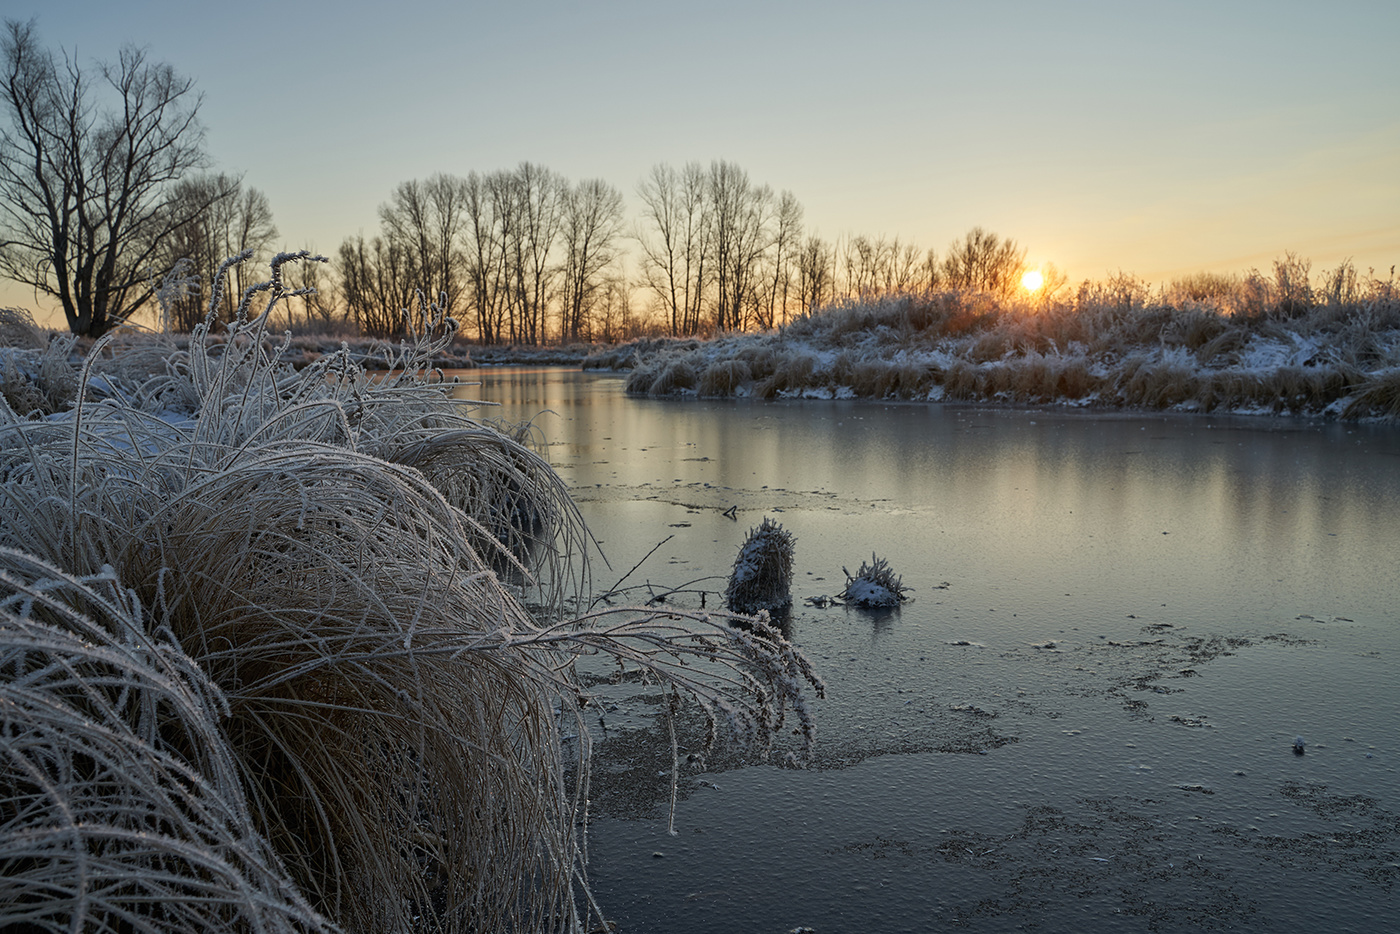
(1156, 138)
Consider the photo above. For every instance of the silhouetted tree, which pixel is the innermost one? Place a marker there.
(982, 261)
(530, 200)
(484, 248)
(739, 214)
(314, 293)
(592, 221)
(234, 219)
(783, 247)
(86, 192)
(675, 242)
(816, 274)
(376, 284)
(426, 222)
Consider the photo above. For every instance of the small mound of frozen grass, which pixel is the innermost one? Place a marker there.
(762, 575)
(324, 695)
(874, 585)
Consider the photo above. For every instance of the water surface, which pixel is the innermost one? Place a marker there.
(1082, 721)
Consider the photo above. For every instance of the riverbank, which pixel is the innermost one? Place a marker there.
(1337, 359)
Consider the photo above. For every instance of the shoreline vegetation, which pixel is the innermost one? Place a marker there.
(1207, 344)
(293, 650)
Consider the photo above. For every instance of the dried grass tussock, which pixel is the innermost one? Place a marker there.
(325, 574)
(123, 808)
(1280, 343)
(762, 576)
(874, 585)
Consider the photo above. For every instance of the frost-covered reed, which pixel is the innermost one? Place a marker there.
(762, 576)
(874, 585)
(1252, 344)
(334, 605)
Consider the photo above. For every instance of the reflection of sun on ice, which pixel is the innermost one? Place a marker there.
(1032, 281)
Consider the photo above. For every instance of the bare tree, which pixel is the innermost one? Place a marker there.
(675, 242)
(881, 267)
(485, 254)
(739, 216)
(375, 284)
(592, 222)
(312, 289)
(86, 192)
(930, 272)
(235, 219)
(816, 274)
(783, 248)
(426, 221)
(530, 203)
(613, 311)
(982, 261)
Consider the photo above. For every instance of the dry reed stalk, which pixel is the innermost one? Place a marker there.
(324, 546)
(122, 806)
(724, 378)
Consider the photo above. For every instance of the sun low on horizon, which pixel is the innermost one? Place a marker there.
(1155, 141)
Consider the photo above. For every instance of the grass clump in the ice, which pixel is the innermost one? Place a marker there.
(334, 565)
(874, 585)
(762, 574)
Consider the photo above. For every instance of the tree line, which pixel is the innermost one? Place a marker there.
(105, 188)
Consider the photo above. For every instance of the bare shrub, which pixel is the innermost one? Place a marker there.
(1293, 294)
(1212, 288)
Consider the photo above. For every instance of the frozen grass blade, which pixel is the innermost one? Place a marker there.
(345, 558)
(122, 804)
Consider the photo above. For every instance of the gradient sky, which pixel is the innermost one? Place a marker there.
(1154, 138)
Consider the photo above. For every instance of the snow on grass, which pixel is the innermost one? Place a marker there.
(874, 585)
(319, 691)
(762, 575)
(1329, 359)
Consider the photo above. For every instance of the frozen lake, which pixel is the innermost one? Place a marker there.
(1084, 719)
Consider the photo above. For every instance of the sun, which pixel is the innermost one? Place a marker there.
(1032, 281)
